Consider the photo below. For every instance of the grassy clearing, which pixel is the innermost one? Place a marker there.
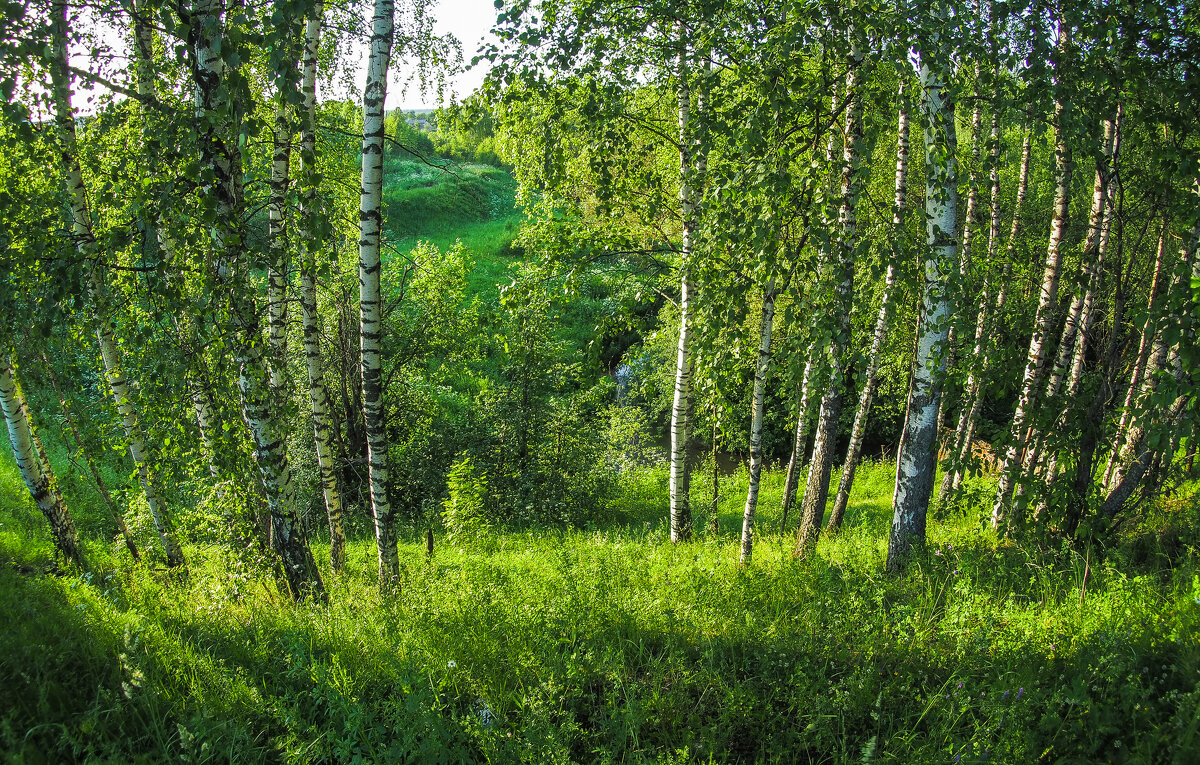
(609, 645)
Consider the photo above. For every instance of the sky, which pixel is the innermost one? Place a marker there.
(468, 20)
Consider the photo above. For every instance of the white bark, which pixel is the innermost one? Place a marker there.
(369, 287)
(318, 393)
(681, 511)
(1047, 301)
(757, 407)
(853, 452)
(85, 244)
(38, 478)
(917, 457)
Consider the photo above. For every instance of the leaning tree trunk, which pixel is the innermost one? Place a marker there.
(1093, 257)
(1048, 299)
(757, 407)
(1144, 347)
(310, 245)
(81, 447)
(36, 473)
(816, 488)
(917, 458)
(850, 466)
(1078, 318)
(259, 407)
(681, 511)
(85, 244)
(369, 287)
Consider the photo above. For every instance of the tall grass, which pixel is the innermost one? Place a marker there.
(611, 645)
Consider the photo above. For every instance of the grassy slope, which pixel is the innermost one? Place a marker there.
(609, 645)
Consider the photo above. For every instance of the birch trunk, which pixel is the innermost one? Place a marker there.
(318, 393)
(81, 448)
(853, 452)
(969, 419)
(681, 512)
(757, 406)
(1143, 356)
(800, 444)
(1043, 319)
(816, 488)
(277, 251)
(38, 478)
(917, 458)
(808, 380)
(259, 407)
(369, 287)
(85, 244)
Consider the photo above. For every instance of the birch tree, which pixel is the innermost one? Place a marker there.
(1048, 295)
(34, 470)
(853, 451)
(88, 250)
(917, 458)
(310, 244)
(216, 86)
(370, 299)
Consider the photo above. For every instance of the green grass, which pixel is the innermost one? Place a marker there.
(611, 645)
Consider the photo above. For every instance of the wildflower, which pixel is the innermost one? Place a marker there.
(960, 685)
(939, 552)
(451, 664)
(1004, 696)
(1019, 692)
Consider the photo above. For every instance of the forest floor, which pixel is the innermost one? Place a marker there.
(612, 645)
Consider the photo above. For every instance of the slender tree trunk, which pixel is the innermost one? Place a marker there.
(816, 489)
(370, 300)
(310, 245)
(1043, 319)
(36, 472)
(757, 407)
(85, 244)
(800, 444)
(1143, 356)
(714, 517)
(681, 512)
(81, 448)
(277, 251)
(916, 462)
(850, 466)
(1078, 319)
(259, 409)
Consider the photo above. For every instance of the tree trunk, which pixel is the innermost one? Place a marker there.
(259, 407)
(850, 466)
(800, 444)
(310, 247)
(1143, 356)
(370, 299)
(916, 461)
(277, 250)
(1043, 319)
(816, 489)
(37, 475)
(85, 244)
(681, 512)
(81, 448)
(757, 406)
